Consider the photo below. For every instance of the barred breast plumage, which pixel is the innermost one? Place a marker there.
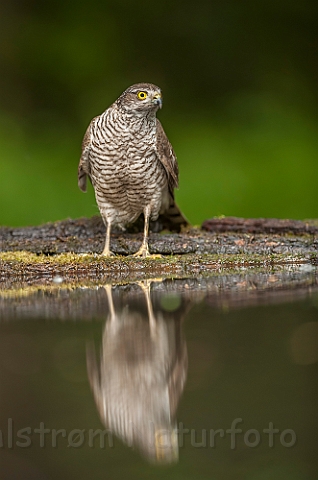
(130, 162)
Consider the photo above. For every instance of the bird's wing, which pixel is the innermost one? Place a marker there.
(83, 166)
(167, 157)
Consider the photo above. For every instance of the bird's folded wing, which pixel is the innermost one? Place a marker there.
(167, 157)
(83, 166)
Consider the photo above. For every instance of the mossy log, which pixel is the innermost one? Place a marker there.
(53, 249)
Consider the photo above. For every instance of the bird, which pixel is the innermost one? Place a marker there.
(131, 163)
(139, 376)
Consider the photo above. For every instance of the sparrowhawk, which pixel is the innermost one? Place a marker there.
(131, 163)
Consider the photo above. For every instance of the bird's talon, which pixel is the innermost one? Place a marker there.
(107, 253)
(142, 252)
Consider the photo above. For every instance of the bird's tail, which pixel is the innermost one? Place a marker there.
(173, 219)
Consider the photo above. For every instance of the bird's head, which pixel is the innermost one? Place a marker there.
(141, 98)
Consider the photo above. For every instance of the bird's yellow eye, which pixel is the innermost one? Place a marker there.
(142, 95)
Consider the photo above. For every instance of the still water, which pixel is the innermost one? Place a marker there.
(210, 378)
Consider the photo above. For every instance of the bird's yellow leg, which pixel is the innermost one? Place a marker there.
(106, 252)
(144, 249)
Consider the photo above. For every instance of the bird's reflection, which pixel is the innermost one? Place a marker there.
(140, 376)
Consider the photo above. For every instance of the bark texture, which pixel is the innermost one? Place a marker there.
(229, 235)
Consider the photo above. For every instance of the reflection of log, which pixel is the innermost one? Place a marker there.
(223, 242)
(223, 290)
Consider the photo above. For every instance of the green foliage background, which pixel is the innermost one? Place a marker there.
(240, 96)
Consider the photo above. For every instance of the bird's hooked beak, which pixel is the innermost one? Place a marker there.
(157, 99)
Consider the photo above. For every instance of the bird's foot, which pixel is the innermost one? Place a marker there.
(142, 252)
(107, 253)
(148, 255)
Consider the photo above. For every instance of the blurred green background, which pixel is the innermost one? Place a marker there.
(239, 80)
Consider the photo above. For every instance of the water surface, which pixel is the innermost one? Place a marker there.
(189, 378)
